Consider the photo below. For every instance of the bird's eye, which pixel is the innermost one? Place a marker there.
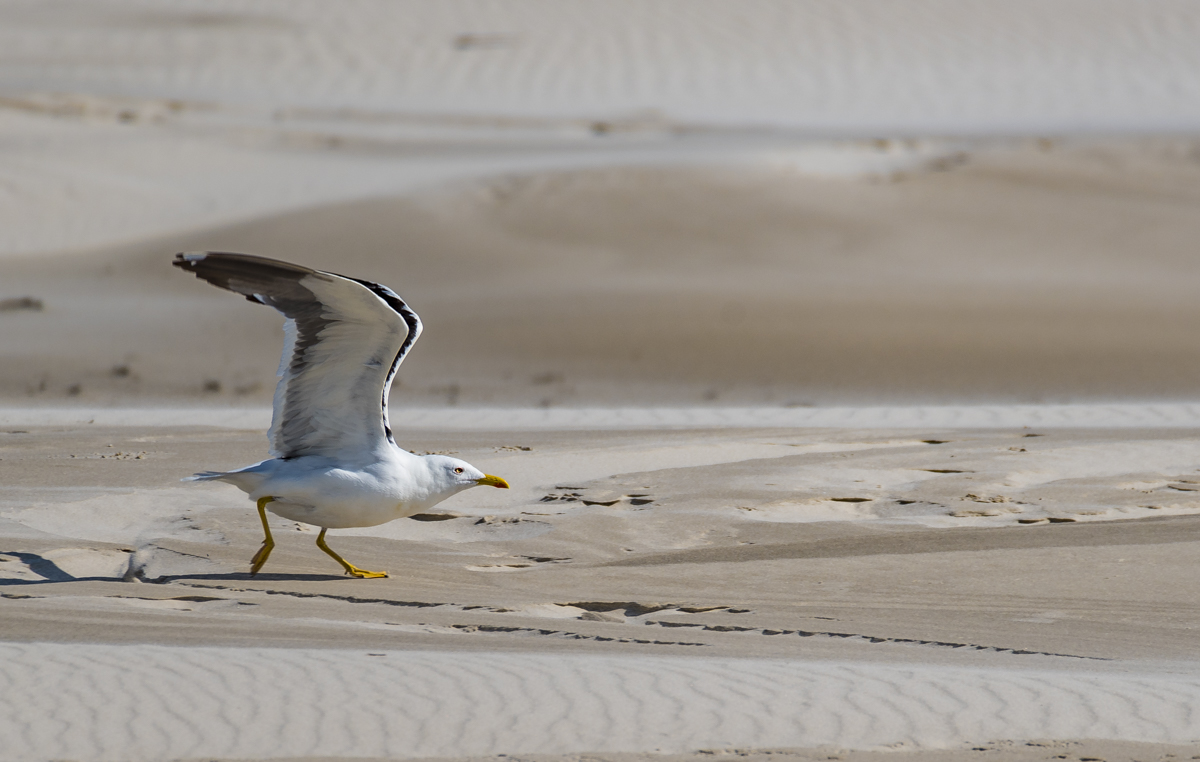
(458, 470)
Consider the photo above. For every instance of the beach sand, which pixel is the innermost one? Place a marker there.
(869, 534)
(840, 356)
(827, 588)
(1024, 275)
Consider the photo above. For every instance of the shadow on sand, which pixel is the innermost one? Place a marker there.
(51, 573)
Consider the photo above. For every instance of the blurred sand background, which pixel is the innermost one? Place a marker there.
(700, 279)
(1020, 272)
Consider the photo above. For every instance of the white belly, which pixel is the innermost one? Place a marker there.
(340, 515)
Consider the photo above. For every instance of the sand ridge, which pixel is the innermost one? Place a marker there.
(1024, 276)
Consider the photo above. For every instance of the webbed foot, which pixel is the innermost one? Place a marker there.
(354, 571)
(350, 568)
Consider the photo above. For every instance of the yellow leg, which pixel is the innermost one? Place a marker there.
(350, 568)
(264, 552)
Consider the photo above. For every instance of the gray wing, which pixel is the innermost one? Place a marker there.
(344, 340)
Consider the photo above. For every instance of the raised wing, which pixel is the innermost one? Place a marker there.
(343, 341)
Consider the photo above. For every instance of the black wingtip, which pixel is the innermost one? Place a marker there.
(187, 260)
(193, 260)
(246, 274)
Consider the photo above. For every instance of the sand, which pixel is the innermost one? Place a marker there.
(613, 204)
(148, 119)
(840, 356)
(388, 703)
(1022, 276)
(813, 588)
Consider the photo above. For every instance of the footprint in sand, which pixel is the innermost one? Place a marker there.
(519, 563)
(597, 497)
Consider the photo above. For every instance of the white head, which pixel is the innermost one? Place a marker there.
(454, 475)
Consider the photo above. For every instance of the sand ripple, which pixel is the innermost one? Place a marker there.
(143, 117)
(96, 702)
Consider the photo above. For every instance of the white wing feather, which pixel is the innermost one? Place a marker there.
(343, 341)
(331, 396)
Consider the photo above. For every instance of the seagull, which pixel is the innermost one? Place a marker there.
(334, 463)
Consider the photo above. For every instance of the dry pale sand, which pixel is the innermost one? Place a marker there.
(1027, 751)
(872, 534)
(671, 284)
(123, 119)
(1109, 751)
(836, 588)
(1034, 273)
(938, 578)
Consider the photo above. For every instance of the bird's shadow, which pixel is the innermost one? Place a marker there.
(50, 573)
(245, 577)
(167, 579)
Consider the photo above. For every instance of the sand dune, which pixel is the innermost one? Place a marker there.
(1022, 276)
(149, 120)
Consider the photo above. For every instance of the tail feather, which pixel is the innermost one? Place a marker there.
(246, 479)
(205, 476)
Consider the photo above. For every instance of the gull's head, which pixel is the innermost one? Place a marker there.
(456, 474)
